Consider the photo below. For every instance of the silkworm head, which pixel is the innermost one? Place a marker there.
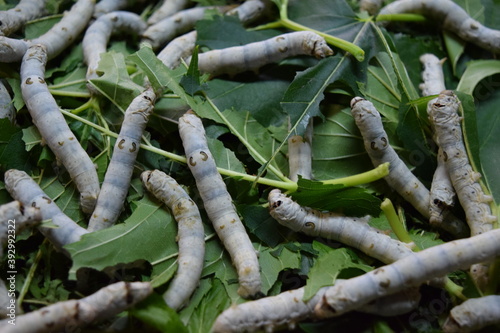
(355, 100)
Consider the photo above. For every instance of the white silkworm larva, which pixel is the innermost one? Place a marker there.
(119, 172)
(407, 272)
(53, 128)
(400, 178)
(444, 114)
(167, 8)
(60, 36)
(190, 235)
(351, 231)
(453, 17)
(183, 46)
(7, 110)
(252, 56)
(289, 308)
(107, 6)
(99, 32)
(14, 217)
(219, 206)
(165, 30)
(300, 154)
(70, 315)
(15, 18)
(371, 6)
(474, 314)
(21, 187)
(442, 194)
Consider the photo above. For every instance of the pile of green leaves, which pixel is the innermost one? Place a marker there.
(246, 119)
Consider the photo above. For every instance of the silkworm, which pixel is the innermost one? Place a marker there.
(442, 194)
(218, 205)
(24, 189)
(444, 115)
(60, 36)
(370, 6)
(99, 32)
(182, 47)
(7, 110)
(288, 308)
(190, 235)
(14, 217)
(119, 173)
(351, 231)
(74, 314)
(409, 271)
(15, 18)
(53, 128)
(167, 8)
(474, 314)
(166, 29)
(400, 178)
(453, 17)
(300, 154)
(252, 56)
(107, 6)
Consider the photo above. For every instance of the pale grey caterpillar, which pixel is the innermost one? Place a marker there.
(167, 8)
(23, 188)
(444, 115)
(300, 154)
(237, 59)
(119, 172)
(190, 235)
(15, 18)
(103, 304)
(60, 36)
(442, 194)
(474, 314)
(219, 206)
(182, 47)
(107, 6)
(453, 17)
(99, 32)
(163, 31)
(53, 128)
(288, 308)
(7, 110)
(14, 217)
(351, 231)
(409, 271)
(400, 178)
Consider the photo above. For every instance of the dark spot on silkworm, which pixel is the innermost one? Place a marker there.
(28, 81)
(21, 208)
(147, 97)
(77, 311)
(373, 145)
(60, 143)
(445, 156)
(120, 144)
(134, 147)
(385, 284)
(222, 227)
(33, 204)
(233, 221)
(283, 49)
(310, 225)
(47, 199)
(129, 297)
(41, 80)
(149, 176)
(277, 203)
(205, 156)
(191, 162)
(64, 29)
(72, 138)
(384, 140)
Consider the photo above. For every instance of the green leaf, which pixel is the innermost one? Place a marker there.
(115, 82)
(191, 80)
(455, 47)
(158, 315)
(13, 154)
(475, 72)
(327, 267)
(31, 137)
(351, 201)
(149, 234)
(271, 265)
(224, 158)
(262, 225)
